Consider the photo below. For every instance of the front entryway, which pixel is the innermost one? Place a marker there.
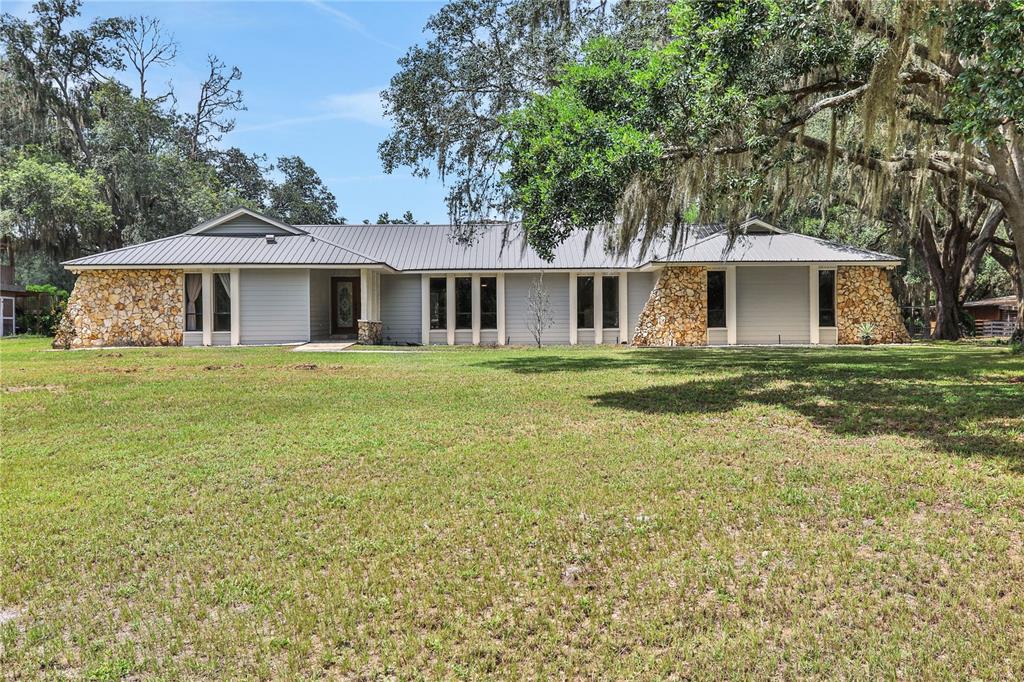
(344, 305)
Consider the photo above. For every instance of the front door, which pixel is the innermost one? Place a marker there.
(344, 305)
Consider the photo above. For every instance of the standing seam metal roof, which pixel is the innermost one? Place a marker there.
(431, 248)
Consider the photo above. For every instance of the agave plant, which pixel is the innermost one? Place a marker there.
(866, 332)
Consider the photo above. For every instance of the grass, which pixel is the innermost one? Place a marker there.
(233, 513)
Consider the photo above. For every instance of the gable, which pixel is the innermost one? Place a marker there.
(246, 226)
(244, 223)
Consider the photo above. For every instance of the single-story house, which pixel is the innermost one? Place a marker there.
(994, 316)
(245, 278)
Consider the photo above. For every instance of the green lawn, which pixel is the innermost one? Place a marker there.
(201, 513)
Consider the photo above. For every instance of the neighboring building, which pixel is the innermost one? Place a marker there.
(244, 278)
(994, 316)
(9, 291)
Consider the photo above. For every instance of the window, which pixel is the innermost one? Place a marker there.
(488, 302)
(716, 299)
(463, 302)
(585, 302)
(826, 298)
(222, 302)
(193, 302)
(438, 303)
(610, 302)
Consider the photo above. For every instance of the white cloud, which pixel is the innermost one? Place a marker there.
(363, 106)
(350, 22)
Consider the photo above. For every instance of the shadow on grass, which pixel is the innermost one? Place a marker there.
(956, 399)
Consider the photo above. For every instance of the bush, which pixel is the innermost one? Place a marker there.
(42, 313)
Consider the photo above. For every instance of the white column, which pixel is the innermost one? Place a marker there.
(208, 299)
(501, 308)
(623, 309)
(376, 295)
(364, 293)
(476, 310)
(425, 310)
(450, 300)
(573, 332)
(236, 306)
(813, 283)
(598, 304)
(730, 305)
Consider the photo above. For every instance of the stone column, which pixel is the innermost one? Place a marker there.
(676, 313)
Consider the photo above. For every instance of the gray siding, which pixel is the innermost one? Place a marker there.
(772, 303)
(245, 225)
(517, 290)
(192, 339)
(718, 337)
(400, 303)
(828, 336)
(275, 305)
(638, 289)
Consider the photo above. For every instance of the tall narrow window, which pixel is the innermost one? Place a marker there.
(438, 303)
(716, 299)
(463, 302)
(610, 302)
(488, 302)
(826, 298)
(193, 302)
(585, 302)
(222, 302)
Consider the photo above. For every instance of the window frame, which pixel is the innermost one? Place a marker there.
(585, 302)
(832, 309)
(610, 298)
(493, 288)
(218, 287)
(199, 316)
(467, 314)
(442, 323)
(724, 310)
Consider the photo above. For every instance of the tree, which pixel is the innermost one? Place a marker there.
(385, 219)
(52, 209)
(755, 102)
(245, 176)
(486, 58)
(217, 97)
(538, 310)
(302, 198)
(145, 45)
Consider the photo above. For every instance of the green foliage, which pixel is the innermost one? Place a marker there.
(42, 313)
(50, 205)
(87, 165)
(302, 198)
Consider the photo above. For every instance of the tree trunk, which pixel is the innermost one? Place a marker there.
(948, 323)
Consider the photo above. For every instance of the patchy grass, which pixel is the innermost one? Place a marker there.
(209, 513)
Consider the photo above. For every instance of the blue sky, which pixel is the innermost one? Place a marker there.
(311, 73)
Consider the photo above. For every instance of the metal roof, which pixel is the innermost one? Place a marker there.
(784, 247)
(431, 248)
(1008, 301)
(202, 249)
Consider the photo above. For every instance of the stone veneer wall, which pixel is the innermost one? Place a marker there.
(863, 294)
(676, 313)
(124, 308)
(370, 332)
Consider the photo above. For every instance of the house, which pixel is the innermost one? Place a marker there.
(245, 278)
(994, 316)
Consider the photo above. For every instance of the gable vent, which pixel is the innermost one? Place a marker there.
(271, 238)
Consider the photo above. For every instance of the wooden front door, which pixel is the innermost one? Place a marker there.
(344, 305)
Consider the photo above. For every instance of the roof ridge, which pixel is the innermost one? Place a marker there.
(846, 246)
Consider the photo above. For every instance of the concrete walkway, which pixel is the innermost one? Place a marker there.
(325, 346)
